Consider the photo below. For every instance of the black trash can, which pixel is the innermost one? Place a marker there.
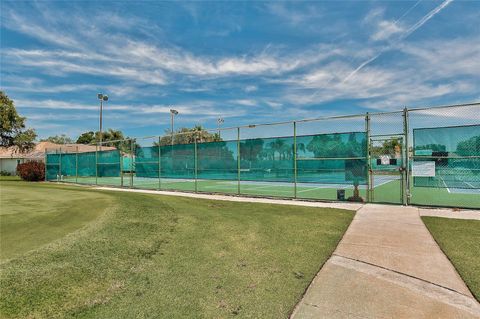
(340, 194)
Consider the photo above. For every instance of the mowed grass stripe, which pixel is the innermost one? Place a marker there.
(172, 257)
(33, 216)
(460, 241)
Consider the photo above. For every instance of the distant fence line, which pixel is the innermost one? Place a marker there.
(406, 156)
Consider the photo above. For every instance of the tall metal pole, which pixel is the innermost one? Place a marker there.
(102, 98)
(101, 114)
(220, 121)
(295, 159)
(171, 125)
(238, 160)
(369, 168)
(406, 199)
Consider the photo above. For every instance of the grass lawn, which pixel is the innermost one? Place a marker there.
(32, 216)
(459, 240)
(139, 255)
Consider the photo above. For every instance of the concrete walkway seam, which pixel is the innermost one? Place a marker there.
(444, 294)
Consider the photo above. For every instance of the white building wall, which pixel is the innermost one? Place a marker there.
(10, 164)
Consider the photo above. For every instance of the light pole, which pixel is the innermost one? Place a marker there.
(101, 97)
(220, 121)
(172, 115)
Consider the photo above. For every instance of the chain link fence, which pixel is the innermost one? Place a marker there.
(424, 156)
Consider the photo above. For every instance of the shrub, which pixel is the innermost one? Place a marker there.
(31, 171)
(5, 173)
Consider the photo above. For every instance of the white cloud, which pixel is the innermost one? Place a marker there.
(251, 88)
(49, 88)
(402, 35)
(292, 14)
(244, 102)
(274, 105)
(386, 29)
(430, 69)
(64, 105)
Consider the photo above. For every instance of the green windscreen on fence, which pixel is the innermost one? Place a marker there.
(447, 157)
(52, 167)
(337, 158)
(146, 162)
(108, 163)
(68, 165)
(267, 159)
(178, 161)
(87, 164)
(217, 160)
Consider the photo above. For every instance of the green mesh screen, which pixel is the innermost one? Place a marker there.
(127, 164)
(146, 161)
(108, 163)
(52, 166)
(68, 165)
(455, 152)
(86, 164)
(178, 161)
(267, 159)
(217, 160)
(338, 158)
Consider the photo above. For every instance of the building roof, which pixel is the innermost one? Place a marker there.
(38, 152)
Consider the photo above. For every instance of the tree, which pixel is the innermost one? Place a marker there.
(12, 127)
(189, 135)
(110, 137)
(391, 147)
(86, 138)
(58, 139)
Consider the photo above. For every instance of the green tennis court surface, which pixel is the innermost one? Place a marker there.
(386, 189)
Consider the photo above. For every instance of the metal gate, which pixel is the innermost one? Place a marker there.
(387, 169)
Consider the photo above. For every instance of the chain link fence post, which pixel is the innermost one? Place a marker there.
(195, 163)
(159, 163)
(406, 199)
(295, 159)
(132, 160)
(76, 164)
(238, 160)
(59, 176)
(368, 166)
(96, 164)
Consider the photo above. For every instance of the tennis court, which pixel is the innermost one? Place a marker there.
(254, 188)
(422, 156)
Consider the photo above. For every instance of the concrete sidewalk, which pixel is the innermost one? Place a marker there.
(233, 198)
(387, 266)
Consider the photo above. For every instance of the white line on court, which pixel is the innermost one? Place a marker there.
(310, 189)
(387, 180)
(448, 189)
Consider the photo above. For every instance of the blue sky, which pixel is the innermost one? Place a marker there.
(245, 61)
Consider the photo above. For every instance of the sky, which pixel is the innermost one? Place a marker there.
(247, 62)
